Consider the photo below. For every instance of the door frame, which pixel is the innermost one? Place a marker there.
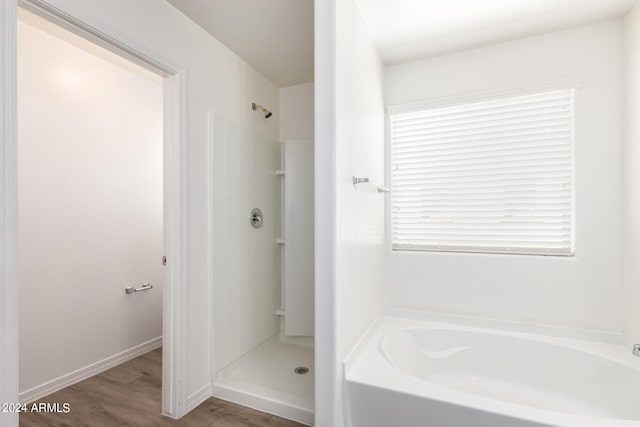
(79, 21)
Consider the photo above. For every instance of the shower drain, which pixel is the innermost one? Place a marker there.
(301, 370)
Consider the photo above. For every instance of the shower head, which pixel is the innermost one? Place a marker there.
(256, 107)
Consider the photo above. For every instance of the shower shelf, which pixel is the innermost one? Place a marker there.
(280, 241)
(280, 172)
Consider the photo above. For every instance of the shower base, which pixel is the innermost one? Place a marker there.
(266, 379)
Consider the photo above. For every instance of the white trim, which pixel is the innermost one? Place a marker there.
(88, 371)
(92, 29)
(328, 412)
(174, 358)
(263, 404)
(8, 213)
(79, 20)
(474, 96)
(574, 171)
(198, 396)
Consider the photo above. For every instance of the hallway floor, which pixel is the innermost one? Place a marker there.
(130, 395)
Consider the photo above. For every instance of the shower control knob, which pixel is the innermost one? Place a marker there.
(256, 218)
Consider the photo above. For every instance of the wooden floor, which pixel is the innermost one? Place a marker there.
(130, 395)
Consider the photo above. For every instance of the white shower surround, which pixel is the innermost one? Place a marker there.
(459, 372)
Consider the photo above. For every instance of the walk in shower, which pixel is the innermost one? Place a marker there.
(262, 295)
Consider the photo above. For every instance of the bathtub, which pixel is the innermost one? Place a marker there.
(472, 373)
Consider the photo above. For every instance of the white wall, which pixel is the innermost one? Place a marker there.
(360, 152)
(296, 111)
(216, 81)
(583, 291)
(348, 298)
(632, 176)
(245, 302)
(90, 206)
(327, 408)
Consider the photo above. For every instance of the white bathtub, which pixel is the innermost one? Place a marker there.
(434, 374)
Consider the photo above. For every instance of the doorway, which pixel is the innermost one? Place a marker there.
(90, 208)
(174, 177)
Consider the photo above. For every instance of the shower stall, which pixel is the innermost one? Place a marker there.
(262, 295)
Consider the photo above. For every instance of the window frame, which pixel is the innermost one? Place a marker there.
(574, 84)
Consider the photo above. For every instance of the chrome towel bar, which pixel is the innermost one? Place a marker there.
(380, 188)
(131, 289)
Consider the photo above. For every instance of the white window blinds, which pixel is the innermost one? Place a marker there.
(492, 176)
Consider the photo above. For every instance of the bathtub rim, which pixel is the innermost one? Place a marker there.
(572, 344)
(391, 378)
(546, 330)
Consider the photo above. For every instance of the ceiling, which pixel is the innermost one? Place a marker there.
(405, 30)
(274, 36)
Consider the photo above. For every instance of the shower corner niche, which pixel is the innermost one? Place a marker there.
(297, 237)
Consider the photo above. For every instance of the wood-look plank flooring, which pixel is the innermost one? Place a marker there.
(130, 395)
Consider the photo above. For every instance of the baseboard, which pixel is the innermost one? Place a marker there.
(264, 404)
(198, 396)
(59, 383)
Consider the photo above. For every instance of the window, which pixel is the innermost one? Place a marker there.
(492, 176)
